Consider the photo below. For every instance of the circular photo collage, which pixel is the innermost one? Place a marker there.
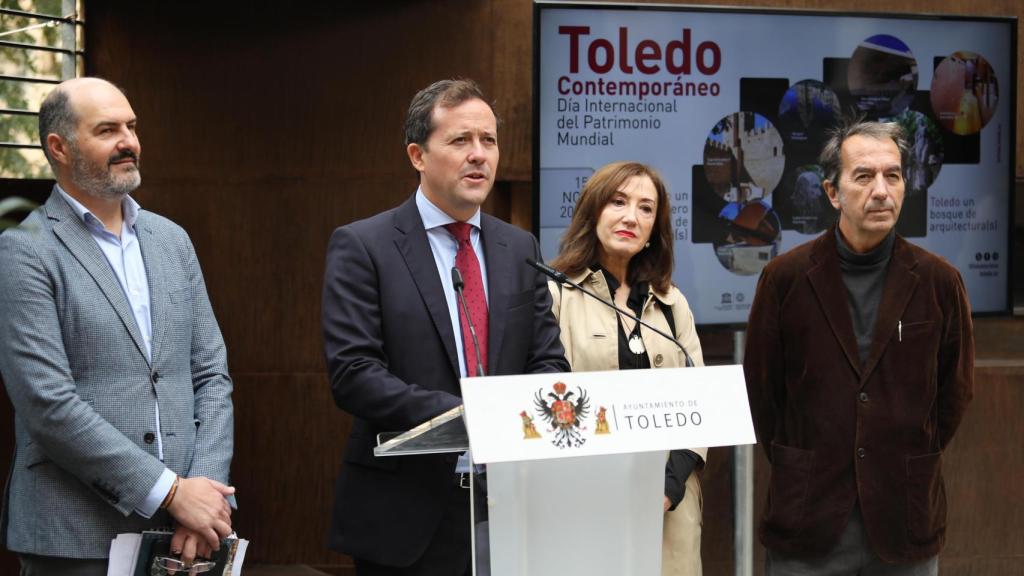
(763, 175)
(811, 210)
(964, 93)
(743, 163)
(807, 110)
(751, 239)
(926, 151)
(882, 76)
(743, 157)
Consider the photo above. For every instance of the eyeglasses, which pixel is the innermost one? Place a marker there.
(165, 565)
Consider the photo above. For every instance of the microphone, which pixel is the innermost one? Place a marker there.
(561, 278)
(550, 272)
(459, 285)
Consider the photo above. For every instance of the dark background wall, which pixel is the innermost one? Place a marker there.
(263, 129)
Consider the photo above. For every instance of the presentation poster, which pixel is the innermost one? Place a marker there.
(731, 107)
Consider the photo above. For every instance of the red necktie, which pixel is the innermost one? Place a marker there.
(476, 300)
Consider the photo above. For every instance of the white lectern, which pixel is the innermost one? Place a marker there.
(575, 461)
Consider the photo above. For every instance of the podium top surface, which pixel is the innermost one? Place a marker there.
(439, 435)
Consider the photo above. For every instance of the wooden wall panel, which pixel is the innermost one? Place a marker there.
(264, 129)
(983, 467)
(290, 439)
(717, 531)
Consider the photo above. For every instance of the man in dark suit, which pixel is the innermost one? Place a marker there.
(397, 343)
(111, 356)
(859, 367)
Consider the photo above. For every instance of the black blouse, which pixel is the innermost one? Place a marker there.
(681, 463)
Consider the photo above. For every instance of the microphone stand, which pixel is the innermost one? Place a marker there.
(459, 284)
(561, 278)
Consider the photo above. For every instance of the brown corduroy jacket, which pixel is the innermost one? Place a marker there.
(838, 432)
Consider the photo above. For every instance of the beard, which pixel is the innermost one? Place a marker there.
(100, 181)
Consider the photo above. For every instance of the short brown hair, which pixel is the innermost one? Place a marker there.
(419, 120)
(579, 247)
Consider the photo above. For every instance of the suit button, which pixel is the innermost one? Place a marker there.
(148, 437)
(658, 360)
(863, 396)
(156, 377)
(860, 452)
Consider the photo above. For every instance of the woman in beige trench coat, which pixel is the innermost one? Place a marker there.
(619, 245)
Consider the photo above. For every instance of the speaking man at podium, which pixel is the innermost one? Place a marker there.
(397, 340)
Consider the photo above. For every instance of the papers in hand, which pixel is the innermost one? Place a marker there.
(132, 554)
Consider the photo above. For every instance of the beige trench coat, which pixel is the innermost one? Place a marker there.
(590, 337)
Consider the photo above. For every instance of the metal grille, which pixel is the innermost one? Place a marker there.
(41, 44)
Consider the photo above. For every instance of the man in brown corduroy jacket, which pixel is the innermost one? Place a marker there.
(859, 368)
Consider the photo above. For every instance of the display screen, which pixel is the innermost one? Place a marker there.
(732, 108)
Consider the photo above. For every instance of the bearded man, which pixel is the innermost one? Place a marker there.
(111, 356)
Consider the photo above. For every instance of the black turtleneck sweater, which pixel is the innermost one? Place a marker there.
(864, 278)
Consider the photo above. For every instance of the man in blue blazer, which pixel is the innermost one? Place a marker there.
(111, 356)
(395, 342)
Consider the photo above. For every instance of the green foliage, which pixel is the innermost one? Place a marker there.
(23, 129)
(51, 7)
(24, 163)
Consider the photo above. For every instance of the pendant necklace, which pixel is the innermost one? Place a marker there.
(636, 344)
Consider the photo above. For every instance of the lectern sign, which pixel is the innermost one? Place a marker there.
(540, 416)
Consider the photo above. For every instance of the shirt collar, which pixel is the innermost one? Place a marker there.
(589, 274)
(129, 209)
(434, 217)
(638, 292)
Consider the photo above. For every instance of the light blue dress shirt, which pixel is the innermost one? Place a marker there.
(125, 258)
(444, 246)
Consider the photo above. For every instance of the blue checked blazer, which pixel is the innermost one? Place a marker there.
(84, 393)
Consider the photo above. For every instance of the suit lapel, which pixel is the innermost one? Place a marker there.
(827, 281)
(72, 232)
(411, 241)
(500, 278)
(157, 278)
(900, 283)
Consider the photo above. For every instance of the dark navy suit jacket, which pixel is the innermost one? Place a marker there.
(392, 364)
